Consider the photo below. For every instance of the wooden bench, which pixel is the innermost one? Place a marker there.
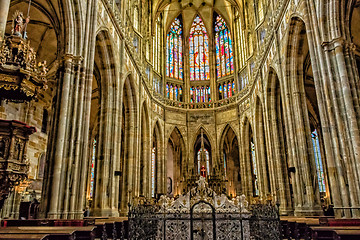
(327, 232)
(100, 231)
(347, 234)
(122, 229)
(54, 232)
(285, 229)
(110, 229)
(24, 236)
(325, 221)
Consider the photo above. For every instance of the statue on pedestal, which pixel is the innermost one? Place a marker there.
(19, 24)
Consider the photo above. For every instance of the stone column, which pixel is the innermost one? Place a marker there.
(60, 141)
(4, 10)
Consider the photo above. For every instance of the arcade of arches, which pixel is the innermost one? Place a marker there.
(144, 96)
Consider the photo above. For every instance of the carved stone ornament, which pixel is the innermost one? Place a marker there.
(202, 214)
(21, 76)
(14, 165)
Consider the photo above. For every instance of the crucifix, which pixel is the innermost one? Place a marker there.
(203, 171)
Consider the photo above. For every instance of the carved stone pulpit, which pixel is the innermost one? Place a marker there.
(14, 166)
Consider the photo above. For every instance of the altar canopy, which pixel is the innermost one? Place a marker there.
(202, 214)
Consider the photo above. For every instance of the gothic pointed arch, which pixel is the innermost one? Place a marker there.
(199, 51)
(174, 50)
(303, 106)
(105, 152)
(157, 163)
(128, 143)
(230, 160)
(250, 160)
(145, 147)
(279, 143)
(261, 147)
(203, 153)
(176, 166)
(224, 48)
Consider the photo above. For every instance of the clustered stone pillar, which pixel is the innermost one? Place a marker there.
(4, 10)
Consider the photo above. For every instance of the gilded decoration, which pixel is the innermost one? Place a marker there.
(21, 75)
(14, 165)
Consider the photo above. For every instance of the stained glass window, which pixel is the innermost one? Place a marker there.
(173, 92)
(224, 53)
(180, 93)
(200, 94)
(174, 61)
(254, 169)
(199, 51)
(153, 171)
(191, 95)
(92, 172)
(318, 161)
(226, 90)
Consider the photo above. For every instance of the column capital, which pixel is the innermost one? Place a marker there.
(339, 43)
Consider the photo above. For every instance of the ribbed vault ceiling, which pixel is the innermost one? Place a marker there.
(190, 8)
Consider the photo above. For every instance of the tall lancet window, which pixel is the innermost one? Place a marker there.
(174, 60)
(318, 161)
(199, 51)
(254, 169)
(224, 52)
(92, 171)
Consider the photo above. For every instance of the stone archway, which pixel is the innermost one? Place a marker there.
(261, 149)
(103, 101)
(278, 144)
(144, 152)
(202, 155)
(301, 108)
(128, 146)
(175, 166)
(230, 161)
(249, 161)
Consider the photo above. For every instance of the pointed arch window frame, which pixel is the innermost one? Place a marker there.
(223, 47)
(199, 59)
(174, 50)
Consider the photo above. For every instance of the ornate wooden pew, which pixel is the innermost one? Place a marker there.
(329, 232)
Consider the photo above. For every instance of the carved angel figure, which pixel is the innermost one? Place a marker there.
(19, 24)
(42, 68)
